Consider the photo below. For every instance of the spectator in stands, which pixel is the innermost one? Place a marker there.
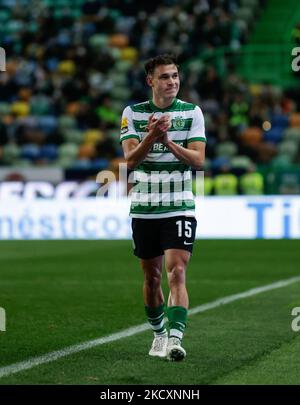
(72, 68)
(225, 183)
(252, 182)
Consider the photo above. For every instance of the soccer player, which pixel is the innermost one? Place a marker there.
(162, 139)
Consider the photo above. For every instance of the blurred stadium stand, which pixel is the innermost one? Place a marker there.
(72, 66)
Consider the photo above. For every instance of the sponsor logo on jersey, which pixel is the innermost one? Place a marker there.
(159, 147)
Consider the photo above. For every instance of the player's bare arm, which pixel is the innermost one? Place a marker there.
(193, 155)
(135, 151)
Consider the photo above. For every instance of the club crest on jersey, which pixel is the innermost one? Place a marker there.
(178, 123)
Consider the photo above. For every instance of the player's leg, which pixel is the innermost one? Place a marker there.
(176, 263)
(177, 238)
(154, 304)
(147, 248)
(170, 301)
(152, 291)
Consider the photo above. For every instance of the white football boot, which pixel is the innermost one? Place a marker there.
(175, 352)
(159, 346)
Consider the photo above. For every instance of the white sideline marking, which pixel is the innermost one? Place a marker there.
(52, 356)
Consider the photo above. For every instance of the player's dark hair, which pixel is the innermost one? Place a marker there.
(165, 59)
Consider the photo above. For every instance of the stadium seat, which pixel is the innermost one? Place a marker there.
(122, 66)
(4, 16)
(92, 136)
(10, 153)
(47, 124)
(289, 148)
(30, 151)
(274, 135)
(118, 40)
(14, 26)
(99, 164)
(72, 135)
(83, 163)
(4, 109)
(295, 120)
(227, 149)
(66, 67)
(280, 121)
(241, 162)
(66, 122)
(39, 105)
(48, 152)
(220, 162)
(20, 108)
(129, 54)
(86, 151)
(68, 151)
(65, 162)
(292, 134)
(98, 40)
(73, 108)
(281, 161)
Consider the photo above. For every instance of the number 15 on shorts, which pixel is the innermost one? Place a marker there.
(185, 227)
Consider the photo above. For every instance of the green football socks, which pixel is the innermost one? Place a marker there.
(156, 319)
(177, 321)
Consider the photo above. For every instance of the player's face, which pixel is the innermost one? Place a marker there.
(165, 81)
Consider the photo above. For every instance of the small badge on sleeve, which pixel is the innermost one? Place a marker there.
(124, 126)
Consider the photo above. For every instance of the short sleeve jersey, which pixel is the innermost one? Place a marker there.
(162, 183)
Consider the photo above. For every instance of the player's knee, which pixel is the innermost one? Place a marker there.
(154, 282)
(153, 279)
(177, 274)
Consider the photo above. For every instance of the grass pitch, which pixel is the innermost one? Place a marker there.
(61, 293)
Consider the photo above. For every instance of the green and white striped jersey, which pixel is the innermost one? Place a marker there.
(163, 184)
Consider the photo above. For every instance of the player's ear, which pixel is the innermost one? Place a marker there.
(149, 80)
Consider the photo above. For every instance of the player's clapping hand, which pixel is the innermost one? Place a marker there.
(159, 125)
